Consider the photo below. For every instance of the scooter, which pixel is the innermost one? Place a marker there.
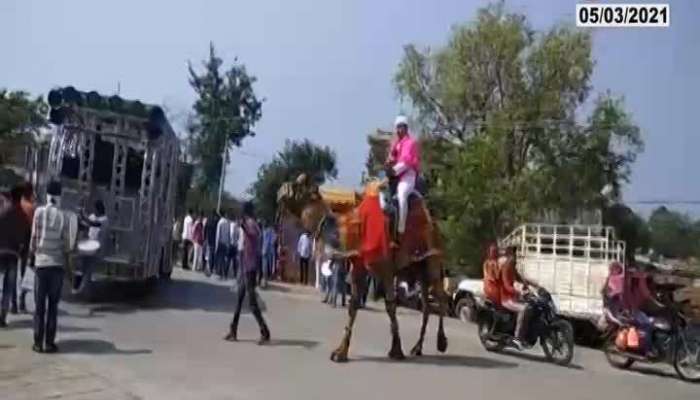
(555, 335)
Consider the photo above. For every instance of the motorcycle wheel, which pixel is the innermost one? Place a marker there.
(687, 360)
(612, 354)
(488, 343)
(558, 343)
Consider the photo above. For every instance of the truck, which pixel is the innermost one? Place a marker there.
(571, 262)
(124, 153)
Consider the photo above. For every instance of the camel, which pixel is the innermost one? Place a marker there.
(426, 266)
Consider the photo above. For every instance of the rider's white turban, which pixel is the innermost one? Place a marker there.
(400, 120)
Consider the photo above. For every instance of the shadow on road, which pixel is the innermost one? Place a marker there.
(650, 370)
(94, 346)
(120, 298)
(442, 361)
(29, 324)
(539, 359)
(306, 344)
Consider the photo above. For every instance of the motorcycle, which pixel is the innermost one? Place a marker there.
(496, 328)
(671, 342)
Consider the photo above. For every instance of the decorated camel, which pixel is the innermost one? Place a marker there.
(367, 245)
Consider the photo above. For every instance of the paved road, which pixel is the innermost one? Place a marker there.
(169, 346)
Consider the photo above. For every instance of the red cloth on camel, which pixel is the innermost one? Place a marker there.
(375, 240)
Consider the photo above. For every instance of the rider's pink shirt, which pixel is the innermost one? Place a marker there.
(406, 151)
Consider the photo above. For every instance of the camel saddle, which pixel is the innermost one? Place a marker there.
(416, 240)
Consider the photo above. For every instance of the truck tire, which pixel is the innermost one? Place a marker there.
(465, 309)
(163, 274)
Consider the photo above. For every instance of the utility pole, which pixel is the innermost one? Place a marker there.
(224, 157)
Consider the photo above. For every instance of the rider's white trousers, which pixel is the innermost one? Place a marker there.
(407, 183)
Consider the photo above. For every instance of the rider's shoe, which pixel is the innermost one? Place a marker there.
(517, 344)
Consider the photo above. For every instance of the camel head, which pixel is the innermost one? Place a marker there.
(375, 186)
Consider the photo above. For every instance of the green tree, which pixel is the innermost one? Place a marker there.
(501, 102)
(673, 234)
(21, 117)
(225, 112)
(629, 227)
(297, 157)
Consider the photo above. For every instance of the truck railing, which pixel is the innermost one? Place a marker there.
(572, 241)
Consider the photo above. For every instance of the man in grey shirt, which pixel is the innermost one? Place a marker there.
(51, 242)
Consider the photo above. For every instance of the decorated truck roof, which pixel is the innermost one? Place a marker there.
(107, 114)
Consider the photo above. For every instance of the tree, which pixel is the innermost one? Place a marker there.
(225, 112)
(673, 234)
(500, 102)
(629, 227)
(318, 163)
(21, 117)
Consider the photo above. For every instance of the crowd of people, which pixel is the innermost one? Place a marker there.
(214, 244)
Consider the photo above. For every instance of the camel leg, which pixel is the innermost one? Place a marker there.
(357, 288)
(418, 348)
(396, 352)
(442, 297)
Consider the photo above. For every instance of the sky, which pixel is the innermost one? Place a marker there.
(325, 68)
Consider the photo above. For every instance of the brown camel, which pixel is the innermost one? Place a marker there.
(419, 257)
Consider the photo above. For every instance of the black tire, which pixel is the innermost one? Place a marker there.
(691, 372)
(162, 273)
(465, 309)
(483, 331)
(614, 357)
(558, 343)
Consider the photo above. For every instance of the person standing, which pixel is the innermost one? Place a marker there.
(12, 236)
(187, 239)
(223, 241)
(250, 262)
(304, 253)
(234, 248)
(404, 161)
(268, 252)
(97, 224)
(198, 241)
(210, 240)
(339, 284)
(51, 242)
(27, 205)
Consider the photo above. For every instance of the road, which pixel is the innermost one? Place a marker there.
(169, 345)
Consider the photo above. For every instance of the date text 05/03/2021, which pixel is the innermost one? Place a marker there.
(623, 15)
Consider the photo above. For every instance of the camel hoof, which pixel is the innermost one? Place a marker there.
(338, 357)
(397, 355)
(442, 344)
(417, 351)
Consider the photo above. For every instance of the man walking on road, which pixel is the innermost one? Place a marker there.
(12, 234)
(304, 253)
(250, 262)
(51, 241)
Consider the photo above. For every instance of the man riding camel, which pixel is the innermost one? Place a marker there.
(404, 161)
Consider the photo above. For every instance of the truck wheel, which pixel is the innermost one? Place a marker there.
(162, 273)
(465, 309)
